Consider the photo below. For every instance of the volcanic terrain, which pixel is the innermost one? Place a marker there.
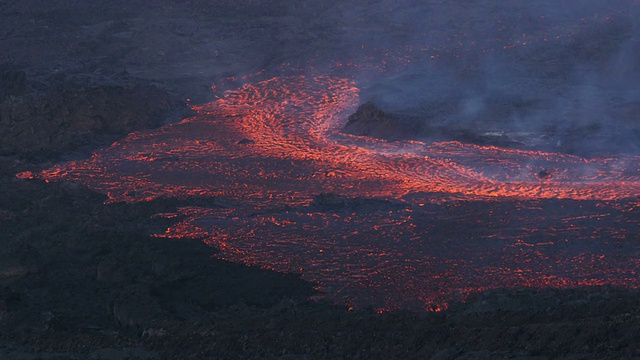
(321, 180)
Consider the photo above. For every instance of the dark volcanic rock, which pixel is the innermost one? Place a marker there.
(72, 263)
(330, 202)
(369, 120)
(44, 124)
(12, 83)
(245, 141)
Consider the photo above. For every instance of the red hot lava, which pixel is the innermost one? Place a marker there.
(467, 218)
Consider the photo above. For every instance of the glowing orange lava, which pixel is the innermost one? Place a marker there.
(469, 217)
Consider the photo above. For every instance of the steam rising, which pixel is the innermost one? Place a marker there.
(559, 70)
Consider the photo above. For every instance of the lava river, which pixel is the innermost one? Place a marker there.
(432, 222)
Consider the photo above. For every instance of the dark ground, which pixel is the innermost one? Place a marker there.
(80, 279)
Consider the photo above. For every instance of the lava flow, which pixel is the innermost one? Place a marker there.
(457, 218)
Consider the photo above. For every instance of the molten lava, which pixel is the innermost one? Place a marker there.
(470, 217)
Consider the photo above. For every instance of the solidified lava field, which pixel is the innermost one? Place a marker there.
(393, 225)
